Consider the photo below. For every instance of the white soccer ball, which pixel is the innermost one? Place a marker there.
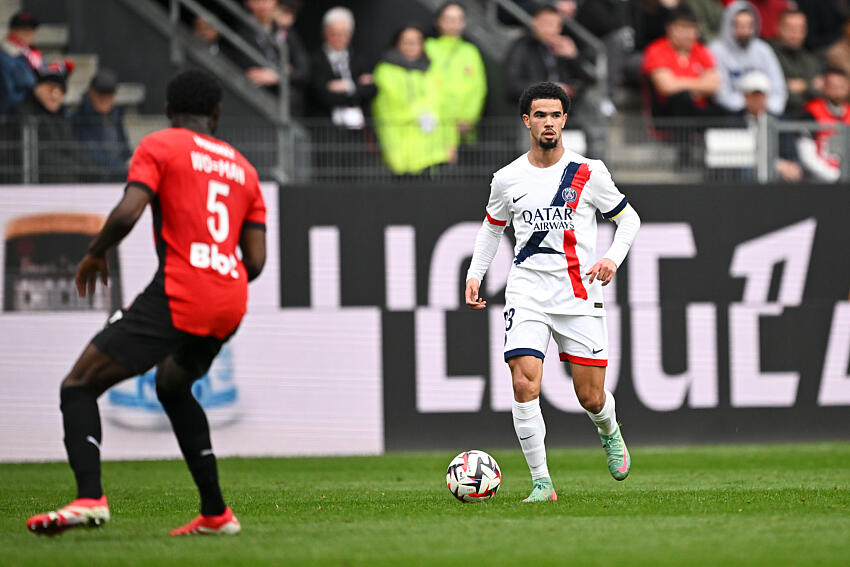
(473, 476)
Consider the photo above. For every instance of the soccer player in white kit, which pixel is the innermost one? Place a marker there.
(551, 196)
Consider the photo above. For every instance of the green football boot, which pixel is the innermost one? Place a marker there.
(619, 461)
(543, 491)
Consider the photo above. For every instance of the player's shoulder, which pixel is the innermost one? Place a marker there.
(160, 139)
(596, 170)
(512, 171)
(592, 164)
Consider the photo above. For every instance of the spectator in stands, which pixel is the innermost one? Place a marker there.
(820, 155)
(709, 15)
(341, 84)
(802, 69)
(268, 14)
(755, 87)
(459, 70)
(838, 54)
(207, 34)
(412, 135)
(738, 50)
(680, 70)
(99, 126)
(58, 157)
(545, 55)
(341, 89)
(19, 61)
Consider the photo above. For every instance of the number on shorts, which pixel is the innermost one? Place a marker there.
(509, 319)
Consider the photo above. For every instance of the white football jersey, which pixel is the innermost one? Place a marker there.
(553, 212)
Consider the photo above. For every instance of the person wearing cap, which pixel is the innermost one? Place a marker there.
(98, 125)
(680, 70)
(19, 61)
(755, 87)
(59, 159)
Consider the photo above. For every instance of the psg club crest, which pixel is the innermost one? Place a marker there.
(569, 194)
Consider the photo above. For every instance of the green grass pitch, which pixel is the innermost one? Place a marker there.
(731, 505)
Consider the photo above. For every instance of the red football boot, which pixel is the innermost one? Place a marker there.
(82, 512)
(223, 524)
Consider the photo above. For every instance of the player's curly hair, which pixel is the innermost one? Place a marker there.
(546, 90)
(193, 92)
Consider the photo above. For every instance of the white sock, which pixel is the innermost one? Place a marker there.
(531, 431)
(606, 420)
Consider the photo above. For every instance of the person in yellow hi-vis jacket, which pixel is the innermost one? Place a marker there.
(460, 70)
(412, 133)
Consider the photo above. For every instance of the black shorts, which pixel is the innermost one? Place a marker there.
(143, 336)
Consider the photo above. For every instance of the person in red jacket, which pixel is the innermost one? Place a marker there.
(206, 203)
(819, 155)
(680, 69)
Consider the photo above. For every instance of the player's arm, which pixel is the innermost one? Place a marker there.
(252, 242)
(628, 223)
(120, 222)
(486, 246)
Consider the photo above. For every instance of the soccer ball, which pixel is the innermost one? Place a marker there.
(473, 476)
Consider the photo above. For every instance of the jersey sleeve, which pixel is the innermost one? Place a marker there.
(145, 168)
(497, 212)
(255, 216)
(604, 193)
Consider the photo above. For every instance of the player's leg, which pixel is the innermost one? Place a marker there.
(92, 374)
(174, 379)
(133, 341)
(583, 341)
(526, 339)
(589, 382)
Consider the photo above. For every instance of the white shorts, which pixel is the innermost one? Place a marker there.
(582, 339)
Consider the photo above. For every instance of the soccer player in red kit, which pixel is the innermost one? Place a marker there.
(206, 201)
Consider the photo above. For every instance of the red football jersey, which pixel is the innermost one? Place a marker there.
(204, 193)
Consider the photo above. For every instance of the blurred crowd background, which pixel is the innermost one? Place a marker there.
(664, 90)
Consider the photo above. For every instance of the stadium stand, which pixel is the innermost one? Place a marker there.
(284, 143)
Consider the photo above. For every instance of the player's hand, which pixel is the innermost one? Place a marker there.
(603, 270)
(87, 272)
(472, 299)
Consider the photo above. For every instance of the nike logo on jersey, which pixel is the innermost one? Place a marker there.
(597, 351)
(518, 198)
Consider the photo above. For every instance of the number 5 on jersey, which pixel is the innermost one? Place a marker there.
(203, 255)
(220, 229)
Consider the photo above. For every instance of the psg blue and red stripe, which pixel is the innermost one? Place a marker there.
(572, 184)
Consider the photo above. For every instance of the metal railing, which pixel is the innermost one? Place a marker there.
(273, 108)
(178, 42)
(40, 150)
